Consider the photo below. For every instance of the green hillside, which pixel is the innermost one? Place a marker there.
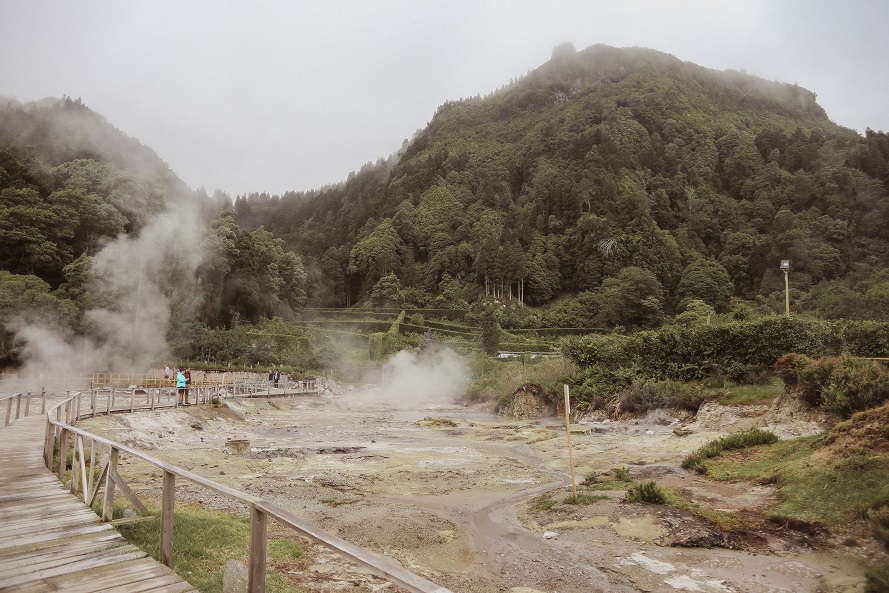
(599, 162)
(607, 188)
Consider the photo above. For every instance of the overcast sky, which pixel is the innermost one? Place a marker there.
(285, 95)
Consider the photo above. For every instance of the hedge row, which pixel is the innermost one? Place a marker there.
(685, 353)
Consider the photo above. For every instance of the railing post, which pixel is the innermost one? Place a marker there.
(28, 405)
(77, 413)
(108, 503)
(43, 402)
(63, 454)
(167, 504)
(93, 402)
(132, 400)
(74, 465)
(48, 442)
(18, 406)
(8, 410)
(88, 487)
(258, 533)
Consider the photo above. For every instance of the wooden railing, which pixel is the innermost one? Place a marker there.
(15, 401)
(60, 430)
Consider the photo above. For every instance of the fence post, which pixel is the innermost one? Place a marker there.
(258, 532)
(167, 503)
(28, 405)
(18, 406)
(8, 410)
(43, 402)
(108, 503)
(63, 454)
(48, 442)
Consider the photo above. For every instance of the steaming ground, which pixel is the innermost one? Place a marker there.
(409, 380)
(453, 494)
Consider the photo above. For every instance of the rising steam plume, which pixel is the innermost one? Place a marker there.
(138, 271)
(409, 380)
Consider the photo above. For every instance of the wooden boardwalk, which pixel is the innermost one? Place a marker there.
(51, 541)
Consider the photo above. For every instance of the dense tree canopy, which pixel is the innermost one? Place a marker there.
(612, 187)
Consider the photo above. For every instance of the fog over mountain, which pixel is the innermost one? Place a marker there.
(282, 96)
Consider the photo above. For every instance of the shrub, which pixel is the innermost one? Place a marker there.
(647, 493)
(622, 473)
(855, 387)
(878, 519)
(877, 579)
(695, 462)
(643, 395)
(841, 385)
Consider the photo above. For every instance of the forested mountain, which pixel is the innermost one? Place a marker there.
(609, 173)
(70, 181)
(608, 187)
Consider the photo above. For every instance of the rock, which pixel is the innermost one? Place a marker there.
(550, 535)
(530, 401)
(703, 538)
(197, 424)
(234, 580)
(682, 432)
(129, 514)
(238, 445)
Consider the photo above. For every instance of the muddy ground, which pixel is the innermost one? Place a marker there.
(453, 493)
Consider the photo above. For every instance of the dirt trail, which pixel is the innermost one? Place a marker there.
(453, 493)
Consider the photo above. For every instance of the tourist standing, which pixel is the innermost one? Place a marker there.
(180, 385)
(276, 376)
(187, 384)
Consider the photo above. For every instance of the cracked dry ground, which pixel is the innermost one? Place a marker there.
(450, 494)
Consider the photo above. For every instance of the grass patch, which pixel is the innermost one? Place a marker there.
(552, 501)
(622, 473)
(204, 541)
(742, 395)
(738, 440)
(811, 485)
(545, 504)
(585, 498)
(724, 521)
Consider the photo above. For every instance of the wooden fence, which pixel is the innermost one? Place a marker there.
(89, 478)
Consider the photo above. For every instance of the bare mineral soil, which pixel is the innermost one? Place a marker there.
(453, 493)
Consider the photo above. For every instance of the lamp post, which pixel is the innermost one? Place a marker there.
(785, 265)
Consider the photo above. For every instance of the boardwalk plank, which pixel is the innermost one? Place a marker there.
(51, 541)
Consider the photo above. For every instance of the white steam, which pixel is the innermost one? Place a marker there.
(409, 380)
(138, 272)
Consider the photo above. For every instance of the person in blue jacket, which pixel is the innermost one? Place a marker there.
(180, 385)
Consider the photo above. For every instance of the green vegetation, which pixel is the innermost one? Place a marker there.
(830, 479)
(646, 493)
(731, 442)
(622, 473)
(585, 498)
(205, 540)
(742, 395)
(609, 188)
(841, 385)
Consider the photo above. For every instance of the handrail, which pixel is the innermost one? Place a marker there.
(19, 413)
(59, 432)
